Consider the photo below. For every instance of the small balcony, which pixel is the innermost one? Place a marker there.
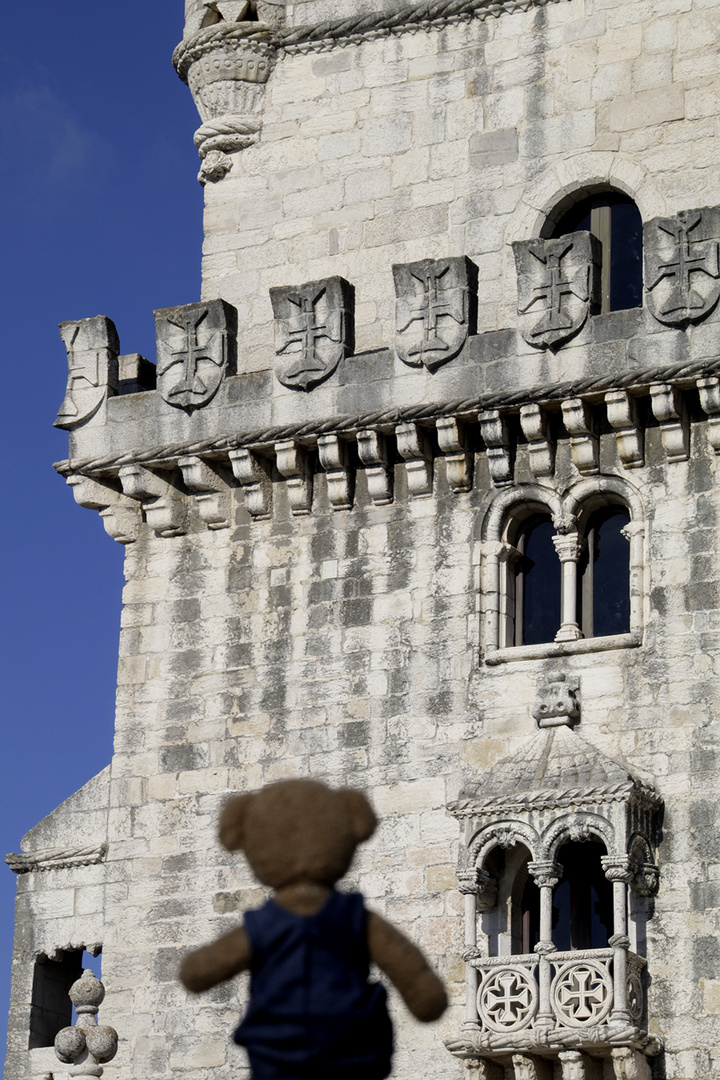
(548, 1001)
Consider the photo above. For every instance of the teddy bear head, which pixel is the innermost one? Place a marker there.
(297, 831)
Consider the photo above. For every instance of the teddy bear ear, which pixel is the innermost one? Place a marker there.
(231, 830)
(362, 815)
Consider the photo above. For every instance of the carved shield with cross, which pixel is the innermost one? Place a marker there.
(682, 266)
(313, 330)
(558, 287)
(92, 350)
(195, 351)
(432, 310)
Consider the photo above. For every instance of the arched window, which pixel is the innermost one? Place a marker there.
(582, 914)
(615, 220)
(605, 574)
(542, 585)
(537, 582)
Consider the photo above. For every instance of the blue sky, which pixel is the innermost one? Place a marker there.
(100, 213)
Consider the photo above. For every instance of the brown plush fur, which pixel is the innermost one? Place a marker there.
(299, 837)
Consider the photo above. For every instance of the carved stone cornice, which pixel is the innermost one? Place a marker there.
(55, 858)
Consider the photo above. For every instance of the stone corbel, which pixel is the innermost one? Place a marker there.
(495, 434)
(535, 426)
(226, 66)
(333, 453)
(578, 419)
(293, 463)
(668, 409)
(253, 474)
(529, 1067)
(121, 516)
(709, 390)
(165, 508)
(210, 489)
(483, 1069)
(373, 453)
(629, 1064)
(623, 419)
(414, 448)
(452, 440)
(578, 1066)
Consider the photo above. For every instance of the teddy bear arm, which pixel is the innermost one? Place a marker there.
(408, 970)
(212, 964)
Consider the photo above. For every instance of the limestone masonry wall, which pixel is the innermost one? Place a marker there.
(316, 556)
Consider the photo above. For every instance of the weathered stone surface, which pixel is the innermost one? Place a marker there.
(315, 580)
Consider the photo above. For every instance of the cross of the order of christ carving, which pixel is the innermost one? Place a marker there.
(434, 303)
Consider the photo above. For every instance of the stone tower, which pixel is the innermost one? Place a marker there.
(421, 496)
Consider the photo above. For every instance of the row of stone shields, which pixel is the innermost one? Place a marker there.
(558, 289)
(559, 279)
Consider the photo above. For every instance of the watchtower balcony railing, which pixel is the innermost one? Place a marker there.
(578, 999)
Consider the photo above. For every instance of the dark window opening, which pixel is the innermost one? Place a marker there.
(51, 1009)
(537, 583)
(604, 580)
(530, 914)
(582, 916)
(615, 220)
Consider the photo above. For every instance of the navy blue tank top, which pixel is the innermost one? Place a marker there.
(312, 1009)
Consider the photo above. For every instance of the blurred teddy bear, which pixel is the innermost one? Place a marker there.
(313, 1014)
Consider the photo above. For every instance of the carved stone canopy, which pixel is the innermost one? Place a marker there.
(558, 787)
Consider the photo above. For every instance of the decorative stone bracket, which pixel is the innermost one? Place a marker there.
(120, 515)
(165, 508)
(212, 470)
(226, 66)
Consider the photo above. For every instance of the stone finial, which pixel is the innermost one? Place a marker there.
(682, 266)
(557, 702)
(92, 349)
(313, 330)
(88, 1045)
(433, 309)
(558, 287)
(195, 351)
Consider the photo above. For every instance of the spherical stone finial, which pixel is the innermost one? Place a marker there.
(87, 993)
(69, 1044)
(102, 1043)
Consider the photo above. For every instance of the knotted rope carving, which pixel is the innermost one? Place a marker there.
(227, 134)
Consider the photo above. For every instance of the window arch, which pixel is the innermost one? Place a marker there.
(614, 219)
(563, 571)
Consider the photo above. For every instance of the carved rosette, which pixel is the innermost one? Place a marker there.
(558, 287)
(226, 67)
(682, 266)
(313, 330)
(433, 310)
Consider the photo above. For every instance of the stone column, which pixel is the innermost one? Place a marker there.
(619, 869)
(569, 548)
(479, 890)
(546, 875)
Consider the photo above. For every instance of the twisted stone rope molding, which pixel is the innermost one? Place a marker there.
(226, 133)
(266, 437)
(331, 34)
(467, 807)
(55, 859)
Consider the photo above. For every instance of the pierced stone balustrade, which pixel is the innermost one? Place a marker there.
(580, 1005)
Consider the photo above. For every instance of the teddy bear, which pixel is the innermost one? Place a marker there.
(313, 1013)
